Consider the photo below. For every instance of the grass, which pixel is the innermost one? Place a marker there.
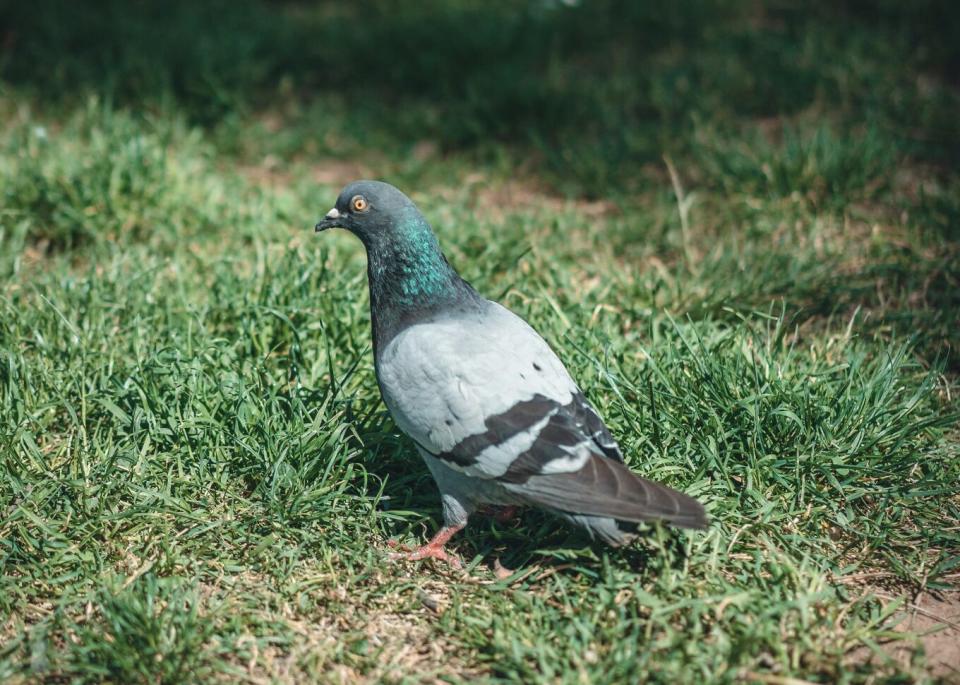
(197, 477)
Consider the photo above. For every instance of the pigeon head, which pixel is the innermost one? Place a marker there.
(372, 210)
(407, 271)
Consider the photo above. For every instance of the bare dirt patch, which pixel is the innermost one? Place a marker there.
(931, 622)
(936, 622)
(501, 197)
(272, 172)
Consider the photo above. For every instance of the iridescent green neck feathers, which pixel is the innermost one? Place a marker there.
(422, 272)
(410, 279)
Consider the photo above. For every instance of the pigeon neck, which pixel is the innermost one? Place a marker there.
(410, 279)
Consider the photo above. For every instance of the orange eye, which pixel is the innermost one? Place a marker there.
(359, 203)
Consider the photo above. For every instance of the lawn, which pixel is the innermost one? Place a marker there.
(738, 224)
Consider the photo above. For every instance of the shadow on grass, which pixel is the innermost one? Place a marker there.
(593, 90)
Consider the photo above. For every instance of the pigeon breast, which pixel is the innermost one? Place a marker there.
(485, 393)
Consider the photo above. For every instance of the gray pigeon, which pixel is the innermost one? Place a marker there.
(491, 408)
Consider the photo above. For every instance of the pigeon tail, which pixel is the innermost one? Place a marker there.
(607, 489)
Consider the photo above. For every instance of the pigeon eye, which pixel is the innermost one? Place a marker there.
(359, 203)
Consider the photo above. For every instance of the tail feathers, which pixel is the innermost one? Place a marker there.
(608, 489)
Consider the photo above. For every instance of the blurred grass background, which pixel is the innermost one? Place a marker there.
(737, 222)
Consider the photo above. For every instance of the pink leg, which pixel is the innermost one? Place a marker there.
(434, 549)
(501, 514)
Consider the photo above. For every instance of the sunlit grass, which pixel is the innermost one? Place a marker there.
(198, 479)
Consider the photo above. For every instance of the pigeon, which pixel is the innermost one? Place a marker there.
(490, 407)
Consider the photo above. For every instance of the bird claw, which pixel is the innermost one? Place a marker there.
(428, 552)
(501, 514)
(432, 550)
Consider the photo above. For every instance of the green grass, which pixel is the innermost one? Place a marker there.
(197, 477)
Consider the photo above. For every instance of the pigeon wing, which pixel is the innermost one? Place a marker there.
(481, 391)
(487, 396)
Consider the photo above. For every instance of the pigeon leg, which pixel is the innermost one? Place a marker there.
(434, 549)
(506, 514)
(500, 513)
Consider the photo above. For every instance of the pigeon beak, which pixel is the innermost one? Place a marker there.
(331, 220)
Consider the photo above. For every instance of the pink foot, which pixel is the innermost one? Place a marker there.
(432, 552)
(434, 549)
(501, 514)
(506, 514)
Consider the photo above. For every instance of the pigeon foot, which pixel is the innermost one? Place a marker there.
(505, 515)
(502, 514)
(434, 549)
